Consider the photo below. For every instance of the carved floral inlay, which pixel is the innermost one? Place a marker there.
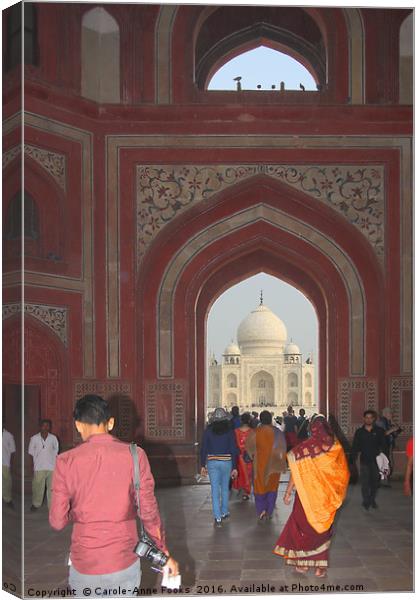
(10, 155)
(356, 192)
(54, 317)
(52, 162)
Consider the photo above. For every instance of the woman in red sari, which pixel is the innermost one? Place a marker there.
(319, 472)
(244, 464)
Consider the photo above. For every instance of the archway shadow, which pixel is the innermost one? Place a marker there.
(169, 491)
(174, 501)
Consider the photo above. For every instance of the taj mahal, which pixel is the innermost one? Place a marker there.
(262, 369)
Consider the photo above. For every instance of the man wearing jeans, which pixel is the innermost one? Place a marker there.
(218, 459)
(369, 440)
(93, 487)
(43, 447)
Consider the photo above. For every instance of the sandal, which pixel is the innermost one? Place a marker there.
(245, 497)
(320, 572)
(301, 569)
(263, 515)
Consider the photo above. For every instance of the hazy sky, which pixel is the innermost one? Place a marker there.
(290, 305)
(262, 66)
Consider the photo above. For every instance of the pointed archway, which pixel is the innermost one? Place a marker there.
(258, 225)
(45, 365)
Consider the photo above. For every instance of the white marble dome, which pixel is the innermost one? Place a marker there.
(262, 332)
(291, 348)
(232, 349)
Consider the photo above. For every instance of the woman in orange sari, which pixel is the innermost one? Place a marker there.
(267, 446)
(244, 464)
(319, 472)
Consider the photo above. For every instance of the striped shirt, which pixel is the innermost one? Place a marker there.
(219, 457)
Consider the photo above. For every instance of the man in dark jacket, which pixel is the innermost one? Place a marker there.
(236, 419)
(369, 441)
(302, 426)
(290, 423)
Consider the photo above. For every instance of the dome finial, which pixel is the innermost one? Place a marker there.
(261, 298)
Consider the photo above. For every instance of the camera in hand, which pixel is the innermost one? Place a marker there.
(146, 549)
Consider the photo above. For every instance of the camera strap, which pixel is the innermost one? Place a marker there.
(136, 480)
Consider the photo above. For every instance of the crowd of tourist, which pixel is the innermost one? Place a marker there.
(249, 452)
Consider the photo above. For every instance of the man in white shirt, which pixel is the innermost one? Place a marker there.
(43, 447)
(9, 447)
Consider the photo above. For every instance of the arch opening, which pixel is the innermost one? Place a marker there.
(406, 61)
(45, 362)
(259, 328)
(16, 20)
(100, 49)
(14, 227)
(263, 68)
(37, 213)
(227, 33)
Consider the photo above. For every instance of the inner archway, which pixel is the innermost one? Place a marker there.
(294, 31)
(273, 352)
(250, 229)
(262, 391)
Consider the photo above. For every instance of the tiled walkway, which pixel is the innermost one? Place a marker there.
(373, 550)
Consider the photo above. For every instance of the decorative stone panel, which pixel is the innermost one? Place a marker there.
(54, 317)
(100, 388)
(126, 417)
(398, 386)
(348, 388)
(10, 155)
(165, 409)
(53, 162)
(356, 192)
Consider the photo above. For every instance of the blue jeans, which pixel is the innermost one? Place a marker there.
(100, 585)
(219, 474)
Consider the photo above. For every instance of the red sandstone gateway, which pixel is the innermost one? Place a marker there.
(146, 195)
(150, 195)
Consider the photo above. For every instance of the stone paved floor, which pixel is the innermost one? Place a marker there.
(372, 549)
